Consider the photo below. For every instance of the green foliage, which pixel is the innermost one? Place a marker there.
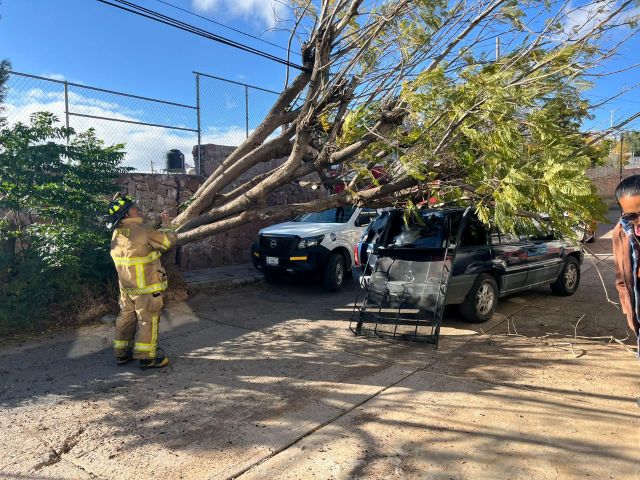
(633, 140)
(503, 135)
(54, 186)
(5, 68)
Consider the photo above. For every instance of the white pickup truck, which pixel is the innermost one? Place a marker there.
(313, 244)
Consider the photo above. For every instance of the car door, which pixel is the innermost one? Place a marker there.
(510, 256)
(473, 256)
(544, 259)
(354, 227)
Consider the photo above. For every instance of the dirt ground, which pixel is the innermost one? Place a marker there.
(268, 382)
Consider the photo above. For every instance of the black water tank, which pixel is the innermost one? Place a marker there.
(174, 161)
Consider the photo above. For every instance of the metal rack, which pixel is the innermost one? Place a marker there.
(405, 295)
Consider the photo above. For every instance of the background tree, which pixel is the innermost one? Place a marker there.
(5, 68)
(633, 139)
(616, 149)
(414, 88)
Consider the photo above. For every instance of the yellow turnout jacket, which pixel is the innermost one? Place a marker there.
(136, 250)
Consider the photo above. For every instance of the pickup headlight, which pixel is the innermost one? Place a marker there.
(310, 242)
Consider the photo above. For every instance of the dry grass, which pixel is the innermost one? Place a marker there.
(86, 308)
(89, 306)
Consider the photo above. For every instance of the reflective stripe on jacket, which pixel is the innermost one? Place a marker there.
(136, 250)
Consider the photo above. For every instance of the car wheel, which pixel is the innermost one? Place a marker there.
(568, 280)
(334, 272)
(482, 300)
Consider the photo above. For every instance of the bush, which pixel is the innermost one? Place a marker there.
(53, 249)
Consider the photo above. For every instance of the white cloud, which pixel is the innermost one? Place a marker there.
(267, 11)
(54, 76)
(60, 77)
(581, 19)
(143, 144)
(231, 136)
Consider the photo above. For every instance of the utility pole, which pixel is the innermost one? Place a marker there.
(497, 48)
(621, 143)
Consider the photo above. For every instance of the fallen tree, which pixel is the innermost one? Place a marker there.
(416, 90)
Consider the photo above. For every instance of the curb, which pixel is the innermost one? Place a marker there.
(222, 285)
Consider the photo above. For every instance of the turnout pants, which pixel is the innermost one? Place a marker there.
(137, 325)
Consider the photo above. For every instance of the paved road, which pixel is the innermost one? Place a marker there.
(268, 382)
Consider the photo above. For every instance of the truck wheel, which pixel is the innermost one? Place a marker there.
(568, 280)
(334, 272)
(481, 302)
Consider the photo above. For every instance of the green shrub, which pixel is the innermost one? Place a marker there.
(54, 185)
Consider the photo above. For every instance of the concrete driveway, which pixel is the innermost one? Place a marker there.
(268, 382)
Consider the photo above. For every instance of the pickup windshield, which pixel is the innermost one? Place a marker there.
(334, 215)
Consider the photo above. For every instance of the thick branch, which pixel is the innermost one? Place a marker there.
(277, 116)
(388, 121)
(276, 148)
(245, 187)
(281, 212)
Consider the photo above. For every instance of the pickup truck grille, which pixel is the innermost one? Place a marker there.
(277, 246)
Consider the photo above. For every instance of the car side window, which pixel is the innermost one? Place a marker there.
(454, 226)
(372, 212)
(366, 216)
(540, 232)
(474, 234)
(541, 236)
(395, 228)
(509, 237)
(376, 229)
(495, 235)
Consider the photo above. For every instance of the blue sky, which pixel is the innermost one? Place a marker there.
(96, 44)
(88, 42)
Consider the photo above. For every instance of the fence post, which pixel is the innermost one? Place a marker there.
(198, 166)
(246, 110)
(66, 106)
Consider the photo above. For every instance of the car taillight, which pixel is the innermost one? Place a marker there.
(355, 255)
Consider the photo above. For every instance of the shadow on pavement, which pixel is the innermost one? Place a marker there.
(257, 369)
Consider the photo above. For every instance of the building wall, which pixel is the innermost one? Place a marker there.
(606, 181)
(158, 192)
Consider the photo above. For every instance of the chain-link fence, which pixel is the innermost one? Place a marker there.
(148, 127)
(230, 111)
(225, 112)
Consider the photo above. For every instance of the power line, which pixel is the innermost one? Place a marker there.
(189, 12)
(158, 17)
(153, 15)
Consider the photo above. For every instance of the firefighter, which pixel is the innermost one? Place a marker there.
(136, 250)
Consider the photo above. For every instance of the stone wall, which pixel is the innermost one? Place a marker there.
(211, 156)
(158, 192)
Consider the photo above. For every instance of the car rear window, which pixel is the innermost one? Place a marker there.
(427, 231)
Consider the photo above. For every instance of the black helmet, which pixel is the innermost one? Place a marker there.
(118, 208)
